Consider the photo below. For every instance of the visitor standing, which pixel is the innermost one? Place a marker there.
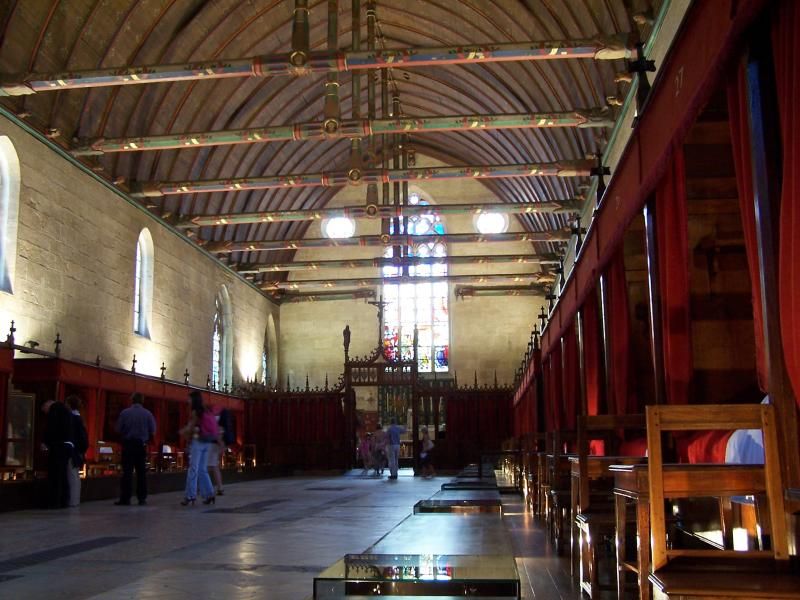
(201, 431)
(136, 425)
(379, 449)
(80, 444)
(58, 445)
(425, 455)
(393, 447)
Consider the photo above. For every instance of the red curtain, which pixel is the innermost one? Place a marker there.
(571, 378)
(556, 391)
(552, 389)
(672, 231)
(619, 326)
(786, 48)
(591, 353)
(740, 142)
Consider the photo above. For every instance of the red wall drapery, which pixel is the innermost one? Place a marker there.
(742, 160)
(786, 48)
(619, 326)
(591, 353)
(571, 378)
(672, 229)
(556, 389)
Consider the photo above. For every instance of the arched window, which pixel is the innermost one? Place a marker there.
(9, 212)
(143, 284)
(222, 341)
(216, 346)
(264, 365)
(423, 305)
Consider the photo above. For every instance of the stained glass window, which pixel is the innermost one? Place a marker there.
(422, 305)
(216, 347)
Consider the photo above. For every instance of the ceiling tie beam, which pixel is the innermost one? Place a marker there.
(334, 128)
(468, 291)
(281, 297)
(383, 240)
(382, 212)
(358, 177)
(300, 61)
(406, 261)
(362, 282)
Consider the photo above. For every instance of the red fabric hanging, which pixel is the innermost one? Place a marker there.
(547, 381)
(786, 49)
(591, 363)
(740, 143)
(619, 321)
(555, 399)
(672, 230)
(591, 353)
(571, 378)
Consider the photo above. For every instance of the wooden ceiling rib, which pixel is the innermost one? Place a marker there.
(84, 34)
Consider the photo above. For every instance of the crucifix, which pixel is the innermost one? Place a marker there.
(379, 304)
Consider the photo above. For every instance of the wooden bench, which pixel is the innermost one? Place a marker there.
(592, 514)
(694, 574)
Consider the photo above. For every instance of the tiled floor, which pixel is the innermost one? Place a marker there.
(263, 539)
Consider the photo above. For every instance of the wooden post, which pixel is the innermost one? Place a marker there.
(654, 302)
(763, 113)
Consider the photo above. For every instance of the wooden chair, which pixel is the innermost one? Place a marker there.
(698, 573)
(593, 515)
(558, 494)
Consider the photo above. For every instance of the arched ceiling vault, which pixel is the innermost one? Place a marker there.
(48, 36)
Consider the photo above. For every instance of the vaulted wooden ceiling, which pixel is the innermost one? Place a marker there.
(48, 36)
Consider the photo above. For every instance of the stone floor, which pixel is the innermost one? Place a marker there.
(263, 539)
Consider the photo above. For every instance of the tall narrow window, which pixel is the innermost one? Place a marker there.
(222, 341)
(264, 367)
(216, 346)
(422, 305)
(143, 284)
(9, 212)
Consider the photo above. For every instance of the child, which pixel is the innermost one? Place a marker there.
(365, 450)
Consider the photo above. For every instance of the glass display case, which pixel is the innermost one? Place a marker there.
(477, 505)
(19, 434)
(439, 576)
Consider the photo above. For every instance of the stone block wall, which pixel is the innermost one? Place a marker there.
(74, 275)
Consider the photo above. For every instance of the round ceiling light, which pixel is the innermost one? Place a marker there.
(339, 227)
(491, 222)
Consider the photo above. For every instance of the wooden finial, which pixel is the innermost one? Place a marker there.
(133, 364)
(163, 370)
(10, 338)
(186, 377)
(208, 382)
(97, 361)
(57, 342)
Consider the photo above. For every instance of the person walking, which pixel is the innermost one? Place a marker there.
(425, 455)
(58, 444)
(379, 449)
(136, 425)
(393, 447)
(217, 451)
(80, 444)
(201, 431)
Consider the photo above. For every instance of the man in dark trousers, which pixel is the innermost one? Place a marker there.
(136, 425)
(58, 429)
